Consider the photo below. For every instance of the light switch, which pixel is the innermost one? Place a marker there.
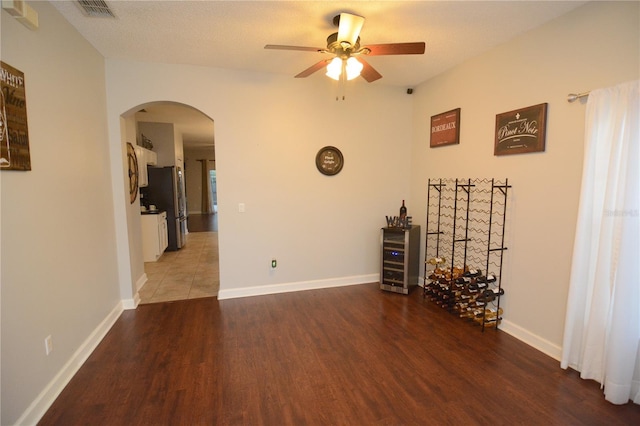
(241, 207)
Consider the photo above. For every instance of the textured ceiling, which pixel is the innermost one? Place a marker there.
(232, 34)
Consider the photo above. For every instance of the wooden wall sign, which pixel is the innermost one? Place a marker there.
(14, 134)
(521, 130)
(445, 128)
(329, 160)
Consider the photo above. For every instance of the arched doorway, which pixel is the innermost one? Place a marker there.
(181, 138)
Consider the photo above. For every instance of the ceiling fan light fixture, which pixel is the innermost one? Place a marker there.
(334, 69)
(344, 46)
(354, 68)
(351, 68)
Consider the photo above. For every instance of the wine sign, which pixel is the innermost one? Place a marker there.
(329, 160)
(14, 134)
(399, 222)
(521, 131)
(445, 128)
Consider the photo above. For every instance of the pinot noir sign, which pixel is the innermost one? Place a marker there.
(522, 130)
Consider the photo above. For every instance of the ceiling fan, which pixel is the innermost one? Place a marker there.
(344, 45)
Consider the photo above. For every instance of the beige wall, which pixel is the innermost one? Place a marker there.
(58, 269)
(595, 46)
(268, 131)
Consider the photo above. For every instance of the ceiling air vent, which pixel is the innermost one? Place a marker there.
(95, 8)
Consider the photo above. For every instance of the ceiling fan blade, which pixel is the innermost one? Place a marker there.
(349, 28)
(368, 72)
(396, 49)
(282, 47)
(313, 68)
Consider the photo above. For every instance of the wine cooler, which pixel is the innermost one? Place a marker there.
(400, 259)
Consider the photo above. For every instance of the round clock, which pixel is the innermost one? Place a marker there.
(329, 160)
(132, 160)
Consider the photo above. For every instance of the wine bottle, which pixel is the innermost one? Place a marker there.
(403, 211)
(472, 273)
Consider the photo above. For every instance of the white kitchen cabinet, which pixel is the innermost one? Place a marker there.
(151, 157)
(145, 157)
(154, 236)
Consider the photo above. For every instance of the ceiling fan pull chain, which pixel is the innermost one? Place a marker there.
(342, 86)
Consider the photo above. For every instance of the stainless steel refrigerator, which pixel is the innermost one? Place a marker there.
(166, 191)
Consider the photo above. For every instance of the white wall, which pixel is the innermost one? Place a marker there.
(593, 47)
(59, 270)
(268, 131)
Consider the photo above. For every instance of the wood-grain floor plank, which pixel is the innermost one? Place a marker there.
(341, 356)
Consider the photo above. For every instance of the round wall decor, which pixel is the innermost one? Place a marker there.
(329, 160)
(132, 160)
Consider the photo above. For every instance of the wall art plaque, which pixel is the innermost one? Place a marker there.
(445, 128)
(14, 134)
(329, 160)
(521, 131)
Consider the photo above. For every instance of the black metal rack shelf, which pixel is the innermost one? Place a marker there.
(464, 247)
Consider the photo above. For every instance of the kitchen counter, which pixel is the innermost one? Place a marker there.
(151, 211)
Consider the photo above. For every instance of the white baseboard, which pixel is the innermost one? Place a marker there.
(296, 286)
(525, 336)
(135, 300)
(41, 404)
(533, 340)
(141, 281)
(132, 303)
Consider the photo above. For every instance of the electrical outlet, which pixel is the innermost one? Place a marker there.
(48, 345)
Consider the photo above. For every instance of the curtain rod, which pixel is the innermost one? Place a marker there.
(572, 97)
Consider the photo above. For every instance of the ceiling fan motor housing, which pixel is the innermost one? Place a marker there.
(342, 49)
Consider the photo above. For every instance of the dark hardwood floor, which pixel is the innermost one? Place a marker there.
(340, 356)
(202, 222)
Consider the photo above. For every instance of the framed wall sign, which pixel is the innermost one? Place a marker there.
(14, 133)
(445, 128)
(521, 130)
(132, 162)
(329, 160)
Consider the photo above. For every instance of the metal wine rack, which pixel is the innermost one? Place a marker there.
(464, 247)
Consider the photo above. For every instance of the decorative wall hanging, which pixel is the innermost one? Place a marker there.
(521, 130)
(132, 161)
(14, 134)
(445, 128)
(329, 160)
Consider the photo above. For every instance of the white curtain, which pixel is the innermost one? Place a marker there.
(602, 326)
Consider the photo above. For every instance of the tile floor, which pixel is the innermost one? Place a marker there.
(189, 273)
